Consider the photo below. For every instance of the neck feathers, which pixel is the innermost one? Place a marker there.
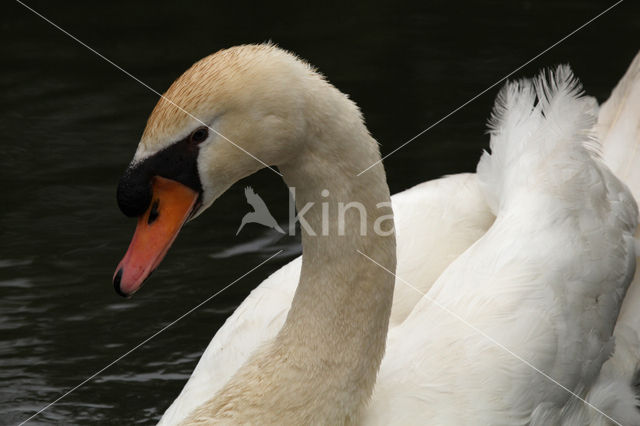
(322, 366)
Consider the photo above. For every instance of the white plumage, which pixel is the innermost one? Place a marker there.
(424, 219)
(545, 281)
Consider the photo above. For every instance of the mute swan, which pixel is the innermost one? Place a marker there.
(320, 367)
(442, 217)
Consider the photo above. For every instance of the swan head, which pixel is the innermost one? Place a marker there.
(229, 115)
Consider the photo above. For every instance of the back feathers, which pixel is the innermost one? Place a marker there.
(534, 123)
(543, 145)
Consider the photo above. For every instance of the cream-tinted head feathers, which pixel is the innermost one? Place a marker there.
(253, 98)
(218, 83)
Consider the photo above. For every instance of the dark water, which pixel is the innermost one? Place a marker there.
(70, 122)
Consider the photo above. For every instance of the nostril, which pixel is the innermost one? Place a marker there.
(153, 214)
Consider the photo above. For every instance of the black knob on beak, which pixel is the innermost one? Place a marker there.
(134, 191)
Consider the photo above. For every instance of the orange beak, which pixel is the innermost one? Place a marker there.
(171, 205)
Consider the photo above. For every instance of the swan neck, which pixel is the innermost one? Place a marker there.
(340, 312)
(322, 365)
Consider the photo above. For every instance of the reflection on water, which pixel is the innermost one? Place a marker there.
(70, 123)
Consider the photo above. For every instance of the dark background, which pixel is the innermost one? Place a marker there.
(70, 122)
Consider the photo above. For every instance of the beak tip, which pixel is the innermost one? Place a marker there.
(116, 284)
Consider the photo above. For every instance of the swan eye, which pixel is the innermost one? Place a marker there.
(199, 135)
